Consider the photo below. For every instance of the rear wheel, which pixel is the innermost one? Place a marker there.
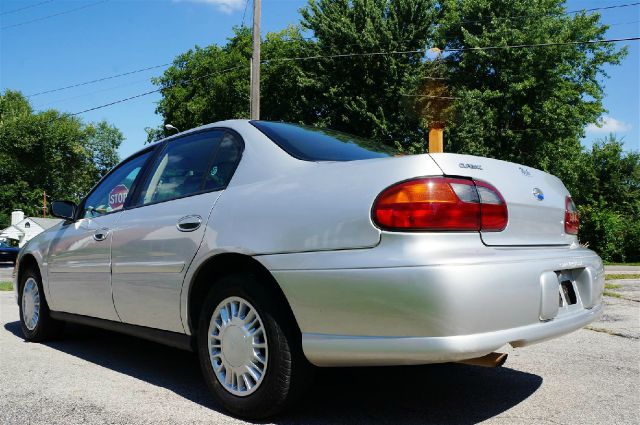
(35, 321)
(249, 350)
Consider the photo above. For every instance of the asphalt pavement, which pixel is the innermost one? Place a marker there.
(6, 269)
(91, 376)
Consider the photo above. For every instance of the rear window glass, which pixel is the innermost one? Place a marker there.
(319, 144)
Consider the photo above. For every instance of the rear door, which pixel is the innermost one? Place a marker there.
(535, 199)
(160, 232)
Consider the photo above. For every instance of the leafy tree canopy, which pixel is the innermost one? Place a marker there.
(527, 105)
(48, 151)
(608, 199)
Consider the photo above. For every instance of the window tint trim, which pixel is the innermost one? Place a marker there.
(148, 166)
(294, 151)
(152, 149)
(278, 144)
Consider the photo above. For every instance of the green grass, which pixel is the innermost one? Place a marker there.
(621, 264)
(609, 290)
(621, 276)
(612, 294)
(6, 286)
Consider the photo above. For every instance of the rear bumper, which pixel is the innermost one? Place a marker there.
(334, 350)
(471, 300)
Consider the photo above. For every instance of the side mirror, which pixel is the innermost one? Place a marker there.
(63, 209)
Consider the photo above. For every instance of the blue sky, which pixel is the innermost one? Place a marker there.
(109, 37)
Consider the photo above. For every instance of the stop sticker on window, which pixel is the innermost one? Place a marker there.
(117, 196)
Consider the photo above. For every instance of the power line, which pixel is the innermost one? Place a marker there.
(115, 102)
(290, 40)
(428, 96)
(108, 89)
(563, 43)
(25, 7)
(135, 71)
(360, 55)
(622, 23)
(110, 77)
(614, 6)
(461, 49)
(570, 12)
(246, 4)
(54, 15)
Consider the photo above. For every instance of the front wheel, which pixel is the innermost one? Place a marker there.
(249, 350)
(35, 322)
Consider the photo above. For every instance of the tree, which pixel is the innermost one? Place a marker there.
(527, 105)
(102, 146)
(48, 151)
(608, 199)
(366, 95)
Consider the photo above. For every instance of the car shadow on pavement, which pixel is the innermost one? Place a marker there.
(442, 394)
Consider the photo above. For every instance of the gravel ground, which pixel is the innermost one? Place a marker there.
(90, 376)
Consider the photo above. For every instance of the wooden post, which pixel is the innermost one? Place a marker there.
(436, 138)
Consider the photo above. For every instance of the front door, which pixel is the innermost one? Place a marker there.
(79, 260)
(158, 236)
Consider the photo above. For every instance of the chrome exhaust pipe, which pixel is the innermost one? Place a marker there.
(490, 360)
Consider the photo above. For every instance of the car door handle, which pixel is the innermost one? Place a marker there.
(101, 234)
(189, 223)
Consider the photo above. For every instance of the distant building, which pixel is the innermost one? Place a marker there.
(23, 229)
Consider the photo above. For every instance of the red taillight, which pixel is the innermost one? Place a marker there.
(571, 217)
(493, 208)
(440, 203)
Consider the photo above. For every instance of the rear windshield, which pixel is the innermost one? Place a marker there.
(319, 144)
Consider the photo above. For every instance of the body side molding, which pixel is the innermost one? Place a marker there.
(172, 339)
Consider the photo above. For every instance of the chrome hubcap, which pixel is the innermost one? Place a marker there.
(30, 304)
(238, 346)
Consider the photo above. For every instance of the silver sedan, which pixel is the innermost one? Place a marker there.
(270, 248)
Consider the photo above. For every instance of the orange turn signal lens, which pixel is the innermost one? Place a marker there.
(440, 204)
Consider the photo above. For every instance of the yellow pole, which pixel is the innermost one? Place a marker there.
(436, 139)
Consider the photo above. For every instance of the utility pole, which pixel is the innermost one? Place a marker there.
(255, 62)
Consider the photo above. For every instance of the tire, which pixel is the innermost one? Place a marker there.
(285, 373)
(43, 328)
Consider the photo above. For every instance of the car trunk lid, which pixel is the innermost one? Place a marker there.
(535, 199)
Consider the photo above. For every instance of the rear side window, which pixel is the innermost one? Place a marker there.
(318, 144)
(190, 165)
(224, 163)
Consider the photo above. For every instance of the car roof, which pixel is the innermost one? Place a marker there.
(226, 123)
(232, 124)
